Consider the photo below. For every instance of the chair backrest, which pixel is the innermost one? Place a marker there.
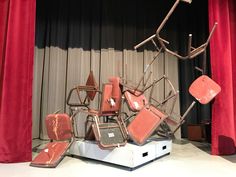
(135, 100)
(116, 91)
(59, 127)
(109, 105)
(204, 89)
(91, 82)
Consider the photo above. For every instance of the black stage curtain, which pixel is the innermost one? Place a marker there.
(99, 15)
(194, 20)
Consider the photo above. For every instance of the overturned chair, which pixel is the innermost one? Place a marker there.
(203, 89)
(154, 117)
(60, 133)
(82, 95)
(149, 112)
(105, 125)
(145, 123)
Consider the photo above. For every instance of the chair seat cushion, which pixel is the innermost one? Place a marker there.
(204, 89)
(51, 155)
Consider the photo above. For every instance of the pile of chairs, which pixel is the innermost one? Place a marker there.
(110, 126)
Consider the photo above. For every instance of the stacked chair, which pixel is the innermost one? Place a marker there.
(111, 131)
(108, 128)
(149, 114)
(154, 117)
(82, 94)
(103, 125)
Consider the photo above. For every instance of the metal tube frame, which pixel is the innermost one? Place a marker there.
(192, 52)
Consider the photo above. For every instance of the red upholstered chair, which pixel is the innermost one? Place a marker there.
(59, 129)
(145, 123)
(152, 118)
(139, 128)
(82, 95)
(203, 89)
(108, 133)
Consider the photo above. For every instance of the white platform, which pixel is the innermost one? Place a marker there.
(130, 155)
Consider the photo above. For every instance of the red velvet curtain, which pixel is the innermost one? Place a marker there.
(17, 33)
(223, 65)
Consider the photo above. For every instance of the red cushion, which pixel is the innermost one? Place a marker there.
(108, 104)
(116, 92)
(204, 89)
(145, 123)
(51, 155)
(58, 126)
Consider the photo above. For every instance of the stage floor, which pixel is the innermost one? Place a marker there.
(185, 160)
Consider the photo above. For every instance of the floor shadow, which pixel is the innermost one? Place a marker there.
(231, 158)
(180, 141)
(204, 146)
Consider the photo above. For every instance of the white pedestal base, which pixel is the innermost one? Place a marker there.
(130, 155)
